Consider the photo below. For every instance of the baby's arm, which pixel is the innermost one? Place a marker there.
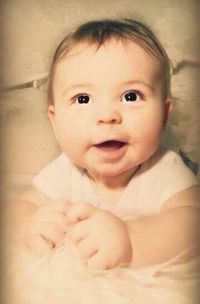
(158, 238)
(105, 241)
(38, 222)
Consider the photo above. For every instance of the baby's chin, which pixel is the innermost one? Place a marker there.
(111, 174)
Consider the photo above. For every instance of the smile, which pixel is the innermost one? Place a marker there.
(111, 149)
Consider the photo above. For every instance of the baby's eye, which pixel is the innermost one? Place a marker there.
(131, 96)
(83, 99)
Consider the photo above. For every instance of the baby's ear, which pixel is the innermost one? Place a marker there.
(167, 110)
(51, 114)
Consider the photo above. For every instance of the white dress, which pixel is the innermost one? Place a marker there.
(156, 180)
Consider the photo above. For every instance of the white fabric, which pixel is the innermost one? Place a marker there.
(60, 277)
(155, 181)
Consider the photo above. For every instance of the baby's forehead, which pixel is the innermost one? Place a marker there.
(110, 46)
(80, 45)
(114, 61)
(120, 52)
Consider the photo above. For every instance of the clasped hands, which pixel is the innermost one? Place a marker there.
(101, 238)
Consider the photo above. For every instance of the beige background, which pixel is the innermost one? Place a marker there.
(31, 31)
(33, 28)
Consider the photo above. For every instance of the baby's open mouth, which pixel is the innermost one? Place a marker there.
(110, 145)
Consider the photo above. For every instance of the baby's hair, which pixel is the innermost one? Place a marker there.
(100, 31)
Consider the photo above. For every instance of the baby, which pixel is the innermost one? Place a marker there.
(114, 192)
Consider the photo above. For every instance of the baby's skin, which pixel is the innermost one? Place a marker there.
(105, 241)
(101, 238)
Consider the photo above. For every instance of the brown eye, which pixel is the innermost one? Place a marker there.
(83, 99)
(131, 96)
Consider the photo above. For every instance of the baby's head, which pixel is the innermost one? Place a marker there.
(109, 96)
(99, 32)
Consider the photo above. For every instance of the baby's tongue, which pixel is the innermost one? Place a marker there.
(110, 145)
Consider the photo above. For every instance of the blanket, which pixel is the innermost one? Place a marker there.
(60, 277)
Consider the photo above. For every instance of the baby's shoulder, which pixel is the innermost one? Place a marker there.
(165, 157)
(33, 196)
(164, 170)
(52, 173)
(165, 154)
(59, 163)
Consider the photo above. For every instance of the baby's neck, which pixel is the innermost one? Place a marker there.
(116, 181)
(108, 195)
(110, 188)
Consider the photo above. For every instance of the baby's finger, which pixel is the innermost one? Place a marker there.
(52, 233)
(97, 262)
(57, 219)
(79, 212)
(77, 232)
(86, 248)
(39, 244)
(60, 205)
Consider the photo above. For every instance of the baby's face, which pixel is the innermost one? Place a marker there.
(109, 111)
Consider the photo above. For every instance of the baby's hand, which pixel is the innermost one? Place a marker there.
(46, 226)
(101, 238)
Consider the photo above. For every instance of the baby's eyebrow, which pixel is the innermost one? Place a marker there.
(87, 85)
(139, 82)
(76, 86)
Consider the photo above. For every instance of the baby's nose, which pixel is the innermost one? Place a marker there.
(109, 115)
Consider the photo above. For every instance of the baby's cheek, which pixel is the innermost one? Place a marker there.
(149, 136)
(152, 126)
(154, 131)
